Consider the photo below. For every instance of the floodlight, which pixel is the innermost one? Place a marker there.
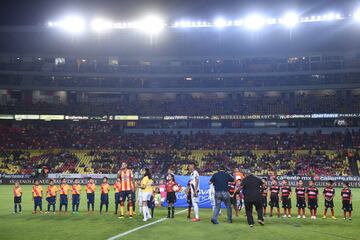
(151, 24)
(100, 25)
(290, 19)
(254, 22)
(220, 22)
(357, 15)
(73, 24)
(330, 16)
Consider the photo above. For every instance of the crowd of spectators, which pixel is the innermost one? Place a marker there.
(107, 146)
(108, 135)
(38, 164)
(335, 163)
(300, 104)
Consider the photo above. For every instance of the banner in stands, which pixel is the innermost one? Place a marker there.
(49, 117)
(181, 197)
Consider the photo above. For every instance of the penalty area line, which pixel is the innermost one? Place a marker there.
(141, 227)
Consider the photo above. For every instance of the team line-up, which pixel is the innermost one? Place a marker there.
(125, 188)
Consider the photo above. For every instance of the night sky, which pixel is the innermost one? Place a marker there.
(38, 12)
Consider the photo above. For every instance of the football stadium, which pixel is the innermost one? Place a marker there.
(179, 119)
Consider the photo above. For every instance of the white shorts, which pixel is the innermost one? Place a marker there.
(193, 198)
(145, 196)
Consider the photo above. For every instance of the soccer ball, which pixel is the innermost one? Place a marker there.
(176, 188)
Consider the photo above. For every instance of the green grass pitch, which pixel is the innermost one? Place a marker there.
(95, 226)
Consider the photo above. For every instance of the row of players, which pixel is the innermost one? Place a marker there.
(146, 195)
(124, 189)
(304, 196)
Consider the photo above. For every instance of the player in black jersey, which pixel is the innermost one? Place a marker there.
(312, 196)
(346, 197)
(274, 197)
(329, 194)
(286, 198)
(300, 199)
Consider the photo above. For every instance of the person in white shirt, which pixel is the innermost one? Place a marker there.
(194, 186)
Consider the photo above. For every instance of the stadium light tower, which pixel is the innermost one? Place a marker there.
(72, 24)
(254, 22)
(290, 19)
(100, 25)
(151, 25)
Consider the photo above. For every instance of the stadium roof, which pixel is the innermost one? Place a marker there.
(21, 20)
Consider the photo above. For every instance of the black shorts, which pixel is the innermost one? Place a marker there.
(347, 206)
(313, 203)
(188, 199)
(264, 201)
(274, 201)
(126, 195)
(329, 204)
(300, 203)
(17, 199)
(170, 197)
(286, 202)
(117, 198)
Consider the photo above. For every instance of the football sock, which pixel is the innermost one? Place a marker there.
(122, 210)
(131, 210)
(196, 210)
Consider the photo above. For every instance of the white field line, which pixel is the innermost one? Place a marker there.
(141, 227)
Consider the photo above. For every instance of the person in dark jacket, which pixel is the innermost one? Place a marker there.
(221, 181)
(251, 186)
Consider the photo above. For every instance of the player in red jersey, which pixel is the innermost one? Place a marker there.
(312, 198)
(274, 197)
(170, 194)
(300, 199)
(286, 198)
(346, 200)
(264, 194)
(127, 188)
(329, 194)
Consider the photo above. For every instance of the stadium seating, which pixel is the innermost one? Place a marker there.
(300, 104)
